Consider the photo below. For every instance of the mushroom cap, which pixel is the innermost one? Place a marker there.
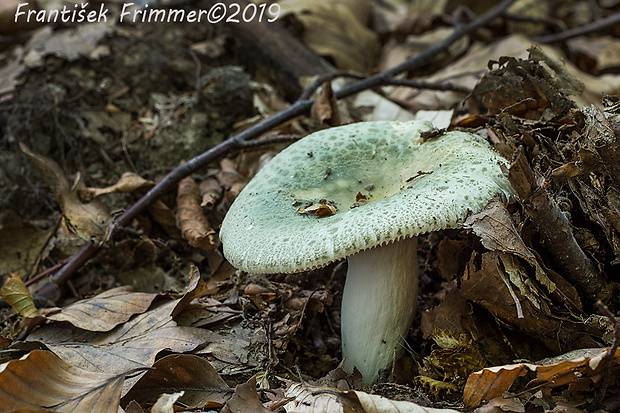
(411, 187)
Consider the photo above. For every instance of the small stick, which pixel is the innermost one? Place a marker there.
(578, 31)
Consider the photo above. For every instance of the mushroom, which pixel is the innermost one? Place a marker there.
(379, 185)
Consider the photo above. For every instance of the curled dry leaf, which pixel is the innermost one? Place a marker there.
(499, 282)
(88, 220)
(325, 109)
(319, 209)
(194, 225)
(128, 182)
(41, 380)
(232, 181)
(575, 366)
(497, 232)
(210, 192)
(15, 293)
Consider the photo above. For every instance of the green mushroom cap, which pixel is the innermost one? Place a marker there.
(350, 188)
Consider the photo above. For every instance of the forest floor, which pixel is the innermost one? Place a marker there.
(108, 305)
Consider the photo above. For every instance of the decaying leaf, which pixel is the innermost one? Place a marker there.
(238, 349)
(21, 243)
(232, 181)
(499, 283)
(309, 399)
(192, 375)
(497, 232)
(576, 366)
(211, 192)
(41, 380)
(165, 403)
(105, 311)
(318, 209)
(87, 220)
(134, 344)
(325, 108)
(128, 182)
(337, 29)
(194, 225)
(245, 399)
(15, 293)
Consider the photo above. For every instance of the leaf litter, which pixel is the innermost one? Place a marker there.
(502, 296)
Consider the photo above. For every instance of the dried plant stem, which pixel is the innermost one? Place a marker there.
(300, 107)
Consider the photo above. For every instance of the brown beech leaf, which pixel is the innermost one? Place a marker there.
(128, 182)
(105, 311)
(133, 345)
(230, 179)
(320, 210)
(15, 293)
(194, 225)
(337, 29)
(245, 399)
(194, 376)
(307, 398)
(41, 380)
(210, 192)
(165, 403)
(576, 366)
(325, 109)
(87, 220)
(497, 232)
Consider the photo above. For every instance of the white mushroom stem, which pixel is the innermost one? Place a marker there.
(378, 305)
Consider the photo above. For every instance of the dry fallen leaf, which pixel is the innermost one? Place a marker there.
(105, 311)
(165, 403)
(325, 108)
(192, 375)
(135, 344)
(21, 243)
(194, 225)
(318, 209)
(336, 28)
(309, 399)
(245, 399)
(15, 293)
(578, 365)
(128, 182)
(41, 380)
(87, 220)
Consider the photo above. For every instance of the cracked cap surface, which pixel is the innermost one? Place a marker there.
(384, 181)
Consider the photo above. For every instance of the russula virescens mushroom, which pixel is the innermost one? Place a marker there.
(362, 192)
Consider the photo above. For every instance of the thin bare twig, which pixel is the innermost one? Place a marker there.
(316, 83)
(300, 107)
(578, 31)
(268, 141)
(418, 84)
